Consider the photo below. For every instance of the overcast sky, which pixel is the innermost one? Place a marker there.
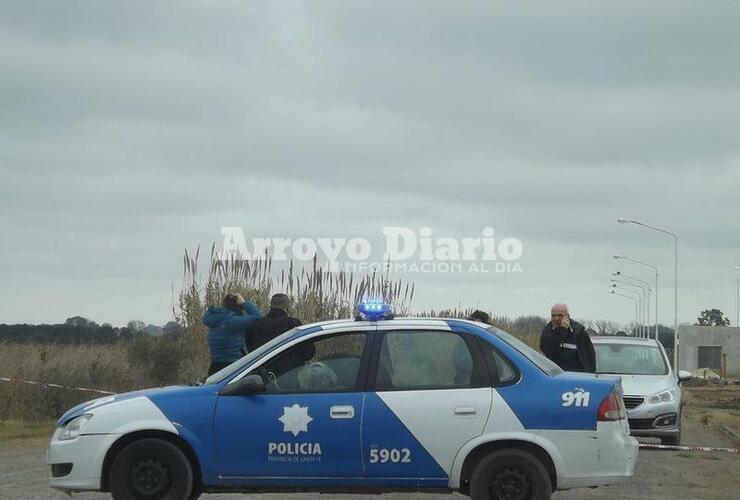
(129, 132)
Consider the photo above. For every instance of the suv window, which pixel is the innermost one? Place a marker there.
(323, 364)
(424, 360)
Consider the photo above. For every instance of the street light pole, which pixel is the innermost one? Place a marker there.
(628, 297)
(638, 302)
(644, 296)
(620, 274)
(654, 268)
(737, 297)
(675, 291)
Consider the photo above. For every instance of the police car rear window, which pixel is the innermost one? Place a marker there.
(413, 360)
(536, 357)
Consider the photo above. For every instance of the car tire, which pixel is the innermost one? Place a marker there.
(510, 474)
(676, 439)
(672, 440)
(151, 469)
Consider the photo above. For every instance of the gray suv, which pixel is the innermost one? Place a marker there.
(652, 391)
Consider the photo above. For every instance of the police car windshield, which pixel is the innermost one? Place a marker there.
(536, 357)
(242, 362)
(629, 359)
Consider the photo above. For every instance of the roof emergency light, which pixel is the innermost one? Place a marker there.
(373, 311)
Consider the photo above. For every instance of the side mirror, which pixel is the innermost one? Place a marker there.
(684, 375)
(251, 384)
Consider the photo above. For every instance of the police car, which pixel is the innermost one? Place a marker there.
(371, 405)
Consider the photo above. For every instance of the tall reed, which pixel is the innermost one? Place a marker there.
(316, 294)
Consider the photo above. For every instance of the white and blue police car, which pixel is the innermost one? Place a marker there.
(371, 405)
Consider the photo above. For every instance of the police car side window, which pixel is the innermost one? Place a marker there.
(323, 364)
(424, 359)
(502, 370)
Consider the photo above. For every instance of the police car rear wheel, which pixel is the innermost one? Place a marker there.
(151, 469)
(510, 475)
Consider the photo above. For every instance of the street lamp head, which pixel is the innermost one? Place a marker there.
(618, 273)
(617, 257)
(623, 221)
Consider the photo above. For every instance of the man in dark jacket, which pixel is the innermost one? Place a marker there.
(480, 316)
(566, 343)
(274, 324)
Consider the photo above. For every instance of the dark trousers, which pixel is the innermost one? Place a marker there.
(217, 366)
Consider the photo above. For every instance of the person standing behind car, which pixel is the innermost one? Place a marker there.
(566, 343)
(480, 316)
(274, 324)
(226, 329)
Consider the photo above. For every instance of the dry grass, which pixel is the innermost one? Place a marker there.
(719, 404)
(23, 429)
(712, 396)
(102, 366)
(715, 417)
(116, 368)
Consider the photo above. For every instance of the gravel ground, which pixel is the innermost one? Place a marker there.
(660, 474)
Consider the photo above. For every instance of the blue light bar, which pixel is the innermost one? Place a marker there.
(373, 311)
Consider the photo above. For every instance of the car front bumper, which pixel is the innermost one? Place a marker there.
(76, 464)
(652, 427)
(655, 420)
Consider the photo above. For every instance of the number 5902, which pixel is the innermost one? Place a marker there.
(385, 455)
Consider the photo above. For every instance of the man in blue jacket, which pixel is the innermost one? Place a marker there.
(227, 326)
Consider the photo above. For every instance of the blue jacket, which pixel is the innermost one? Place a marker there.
(226, 331)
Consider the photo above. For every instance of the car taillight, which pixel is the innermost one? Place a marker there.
(611, 409)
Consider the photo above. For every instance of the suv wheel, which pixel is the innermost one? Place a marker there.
(151, 469)
(672, 440)
(510, 474)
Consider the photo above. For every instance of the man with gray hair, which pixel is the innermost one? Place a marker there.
(274, 324)
(566, 343)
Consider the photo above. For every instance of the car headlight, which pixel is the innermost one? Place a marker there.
(73, 428)
(663, 397)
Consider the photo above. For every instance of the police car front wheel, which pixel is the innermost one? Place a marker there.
(151, 469)
(510, 474)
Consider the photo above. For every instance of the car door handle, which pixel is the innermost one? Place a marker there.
(465, 411)
(342, 412)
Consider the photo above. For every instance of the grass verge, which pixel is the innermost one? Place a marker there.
(19, 429)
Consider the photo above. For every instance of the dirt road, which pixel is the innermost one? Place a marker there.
(660, 474)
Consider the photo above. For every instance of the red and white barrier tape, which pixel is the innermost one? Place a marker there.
(56, 386)
(686, 448)
(98, 391)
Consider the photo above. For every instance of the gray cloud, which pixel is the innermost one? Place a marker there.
(129, 133)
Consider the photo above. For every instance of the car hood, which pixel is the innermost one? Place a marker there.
(645, 385)
(107, 400)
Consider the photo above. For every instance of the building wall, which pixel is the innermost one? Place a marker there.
(691, 337)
